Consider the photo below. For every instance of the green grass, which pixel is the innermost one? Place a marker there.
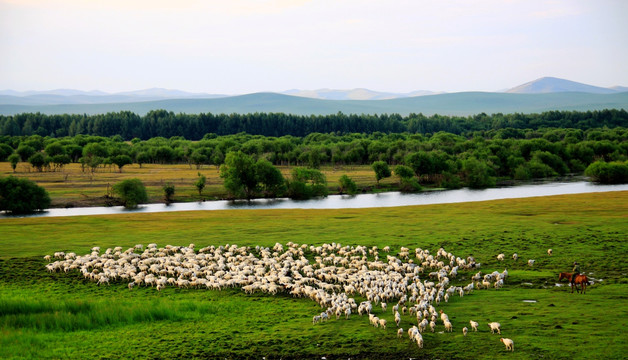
(59, 315)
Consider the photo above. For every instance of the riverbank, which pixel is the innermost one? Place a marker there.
(360, 201)
(71, 187)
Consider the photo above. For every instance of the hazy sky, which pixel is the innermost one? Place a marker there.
(243, 46)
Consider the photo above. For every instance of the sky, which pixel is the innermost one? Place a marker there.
(246, 46)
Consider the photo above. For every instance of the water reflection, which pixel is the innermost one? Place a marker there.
(387, 199)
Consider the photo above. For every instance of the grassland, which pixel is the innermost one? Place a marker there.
(61, 315)
(73, 187)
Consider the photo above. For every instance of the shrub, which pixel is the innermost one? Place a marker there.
(608, 173)
(168, 191)
(132, 192)
(347, 185)
(21, 196)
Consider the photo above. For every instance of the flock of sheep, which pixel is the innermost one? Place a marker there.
(415, 282)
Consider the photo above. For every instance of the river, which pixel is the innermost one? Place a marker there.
(387, 199)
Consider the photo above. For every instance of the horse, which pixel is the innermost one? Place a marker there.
(581, 280)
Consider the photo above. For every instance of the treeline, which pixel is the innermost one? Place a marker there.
(442, 158)
(161, 123)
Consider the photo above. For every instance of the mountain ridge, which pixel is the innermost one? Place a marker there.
(455, 104)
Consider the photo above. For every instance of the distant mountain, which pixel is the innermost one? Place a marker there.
(353, 94)
(461, 104)
(554, 85)
(619, 88)
(67, 96)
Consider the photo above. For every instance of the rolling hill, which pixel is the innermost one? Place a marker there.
(464, 103)
(555, 85)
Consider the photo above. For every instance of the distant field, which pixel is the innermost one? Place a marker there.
(61, 315)
(77, 188)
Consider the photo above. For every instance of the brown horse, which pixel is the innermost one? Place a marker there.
(581, 280)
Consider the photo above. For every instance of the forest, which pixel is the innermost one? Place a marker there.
(161, 123)
(448, 160)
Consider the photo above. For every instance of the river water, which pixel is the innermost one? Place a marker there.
(387, 199)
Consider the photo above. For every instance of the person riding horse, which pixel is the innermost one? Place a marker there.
(576, 272)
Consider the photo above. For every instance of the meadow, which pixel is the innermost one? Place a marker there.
(74, 187)
(59, 315)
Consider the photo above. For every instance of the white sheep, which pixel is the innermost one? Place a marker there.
(474, 325)
(397, 319)
(432, 326)
(501, 257)
(531, 262)
(448, 326)
(419, 340)
(549, 252)
(382, 323)
(510, 345)
(400, 332)
(47, 257)
(495, 326)
(515, 256)
(465, 331)
(316, 319)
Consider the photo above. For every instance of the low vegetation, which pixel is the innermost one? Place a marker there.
(69, 317)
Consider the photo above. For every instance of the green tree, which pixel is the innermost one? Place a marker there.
(54, 148)
(38, 161)
(200, 183)
(121, 160)
(381, 170)
(239, 175)
(608, 173)
(20, 196)
(168, 192)
(60, 161)
(142, 158)
(269, 178)
(307, 183)
(404, 172)
(14, 159)
(407, 181)
(25, 151)
(5, 151)
(477, 174)
(131, 192)
(198, 158)
(347, 185)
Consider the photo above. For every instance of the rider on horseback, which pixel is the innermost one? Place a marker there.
(576, 272)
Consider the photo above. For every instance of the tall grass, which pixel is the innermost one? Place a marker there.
(73, 315)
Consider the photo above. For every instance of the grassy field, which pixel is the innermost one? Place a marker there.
(73, 187)
(60, 315)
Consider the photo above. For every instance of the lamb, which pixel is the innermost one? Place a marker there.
(316, 319)
(474, 325)
(382, 323)
(510, 345)
(464, 331)
(515, 256)
(400, 332)
(397, 319)
(531, 262)
(47, 257)
(419, 340)
(501, 257)
(432, 326)
(495, 326)
(549, 252)
(423, 325)
(448, 326)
